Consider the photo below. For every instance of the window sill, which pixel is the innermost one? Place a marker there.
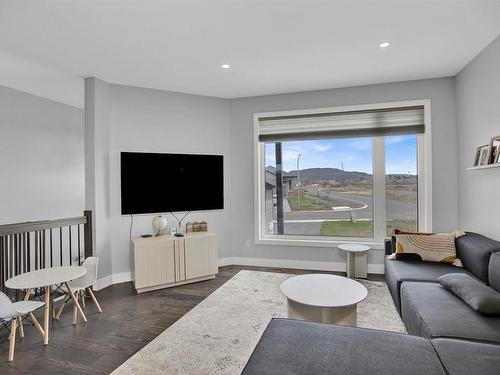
(318, 241)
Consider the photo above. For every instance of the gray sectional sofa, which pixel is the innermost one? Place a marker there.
(428, 309)
(445, 335)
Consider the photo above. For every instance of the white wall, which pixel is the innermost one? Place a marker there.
(35, 79)
(97, 146)
(478, 114)
(157, 121)
(41, 158)
(444, 139)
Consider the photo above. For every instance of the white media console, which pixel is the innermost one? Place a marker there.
(166, 261)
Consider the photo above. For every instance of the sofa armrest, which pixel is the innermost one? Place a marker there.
(388, 246)
(474, 250)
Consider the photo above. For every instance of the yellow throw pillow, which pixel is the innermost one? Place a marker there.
(438, 247)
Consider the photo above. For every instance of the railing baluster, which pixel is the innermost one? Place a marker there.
(43, 248)
(51, 255)
(70, 255)
(40, 257)
(11, 256)
(36, 250)
(60, 247)
(79, 252)
(17, 257)
(24, 252)
(18, 254)
(29, 250)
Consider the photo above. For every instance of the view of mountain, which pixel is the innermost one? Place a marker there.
(331, 174)
(313, 175)
(334, 174)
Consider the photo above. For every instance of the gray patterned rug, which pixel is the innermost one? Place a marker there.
(219, 335)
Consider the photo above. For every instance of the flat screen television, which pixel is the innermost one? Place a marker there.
(156, 183)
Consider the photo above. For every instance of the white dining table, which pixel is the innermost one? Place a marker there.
(47, 278)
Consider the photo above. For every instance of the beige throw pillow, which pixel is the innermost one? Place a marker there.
(438, 247)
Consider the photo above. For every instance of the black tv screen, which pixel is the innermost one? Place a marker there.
(156, 183)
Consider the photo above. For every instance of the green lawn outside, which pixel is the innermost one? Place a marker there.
(405, 225)
(313, 202)
(307, 203)
(362, 228)
(347, 228)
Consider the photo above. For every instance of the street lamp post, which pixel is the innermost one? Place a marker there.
(298, 183)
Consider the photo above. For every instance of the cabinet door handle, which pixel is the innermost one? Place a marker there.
(175, 263)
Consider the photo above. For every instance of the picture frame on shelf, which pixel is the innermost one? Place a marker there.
(484, 155)
(476, 157)
(495, 149)
(494, 154)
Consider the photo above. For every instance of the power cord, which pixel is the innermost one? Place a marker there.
(180, 221)
(131, 225)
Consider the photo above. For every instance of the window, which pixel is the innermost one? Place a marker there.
(339, 175)
(401, 183)
(326, 189)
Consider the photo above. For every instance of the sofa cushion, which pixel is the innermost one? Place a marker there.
(429, 310)
(430, 247)
(479, 297)
(474, 250)
(397, 271)
(494, 271)
(466, 357)
(298, 347)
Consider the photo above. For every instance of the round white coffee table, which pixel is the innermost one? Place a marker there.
(356, 259)
(323, 298)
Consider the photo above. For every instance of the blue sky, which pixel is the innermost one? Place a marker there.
(354, 153)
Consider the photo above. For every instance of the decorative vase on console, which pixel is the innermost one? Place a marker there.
(159, 223)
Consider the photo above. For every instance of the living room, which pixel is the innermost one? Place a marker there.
(288, 154)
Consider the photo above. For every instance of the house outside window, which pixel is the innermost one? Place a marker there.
(342, 174)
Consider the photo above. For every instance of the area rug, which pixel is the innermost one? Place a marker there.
(219, 335)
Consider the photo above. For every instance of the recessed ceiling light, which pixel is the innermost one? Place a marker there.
(384, 44)
(225, 66)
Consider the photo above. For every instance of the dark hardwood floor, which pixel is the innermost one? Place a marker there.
(128, 322)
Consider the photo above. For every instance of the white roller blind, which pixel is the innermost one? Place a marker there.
(390, 121)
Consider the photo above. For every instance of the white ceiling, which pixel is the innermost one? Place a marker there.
(273, 46)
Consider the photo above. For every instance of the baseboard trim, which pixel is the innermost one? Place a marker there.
(116, 278)
(298, 264)
(225, 261)
(124, 277)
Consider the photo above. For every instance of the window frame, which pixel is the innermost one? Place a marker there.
(424, 171)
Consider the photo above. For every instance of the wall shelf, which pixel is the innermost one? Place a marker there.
(496, 165)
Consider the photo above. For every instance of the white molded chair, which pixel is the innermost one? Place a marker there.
(82, 285)
(14, 312)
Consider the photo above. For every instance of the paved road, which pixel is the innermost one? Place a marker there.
(396, 209)
(309, 222)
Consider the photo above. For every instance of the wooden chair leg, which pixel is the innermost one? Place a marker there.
(94, 299)
(11, 331)
(37, 325)
(75, 313)
(82, 294)
(27, 295)
(12, 344)
(59, 312)
(75, 302)
(21, 328)
(52, 304)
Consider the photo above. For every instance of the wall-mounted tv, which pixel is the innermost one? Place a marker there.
(156, 183)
